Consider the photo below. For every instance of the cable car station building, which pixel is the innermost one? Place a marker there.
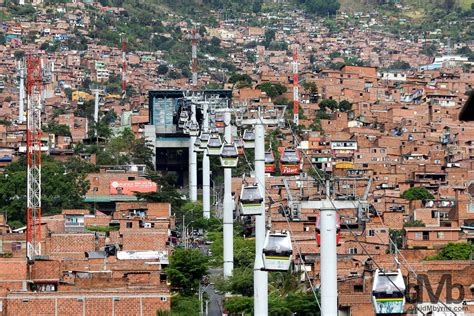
(167, 110)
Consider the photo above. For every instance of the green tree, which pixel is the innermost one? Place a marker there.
(328, 104)
(235, 78)
(455, 251)
(269, 37)
(417, 193)
(321, 7)
(63, 186)
(57, 129)
(186, 269)
(19, 54)
(239, 305)
(399, 65)
(162, 69)
(272, 89)
(345, 106)
(414, 223)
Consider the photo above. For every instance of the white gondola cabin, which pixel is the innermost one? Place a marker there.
(197, 145)
(388, 292)
(249, 139)
(183, 119)
(193, 129)
(229, 156)
(289, 162)
(277, 251)
(214, 146)
(251, 200)
(204, 140)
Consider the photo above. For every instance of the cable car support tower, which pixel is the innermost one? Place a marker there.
(33, 155)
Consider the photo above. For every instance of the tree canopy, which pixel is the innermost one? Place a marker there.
(455, 251)
(63, 186)
(321, 7)
(417, 193)
(186, 269)
(272, 89)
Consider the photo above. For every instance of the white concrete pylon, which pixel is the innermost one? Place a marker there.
(192, 160)
(228, 208)
(328, 259)
(206, 169)
(260, 277)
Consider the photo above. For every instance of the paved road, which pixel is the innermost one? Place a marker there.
(215, 300)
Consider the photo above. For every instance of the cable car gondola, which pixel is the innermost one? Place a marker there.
(183, 119)
(289, 162)
(249, 139)
(193, 129)
(269, 162)
(220, 120)
(214, 146)
(318, 230)
(388, 292)
(197, 145)
(251, 200)
(277, 251)
(229, 156)
(204, 140)
(240, 146)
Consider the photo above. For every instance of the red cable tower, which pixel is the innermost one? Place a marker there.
(296, 98)
(124, 68)
(34, 83)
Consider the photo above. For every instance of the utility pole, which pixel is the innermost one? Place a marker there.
(296, 97)
(96, 106)
(260, 277)
(328, 273)
(21, 110)
(192, 154)
(228, 207)
(124, 68)
(206, 168)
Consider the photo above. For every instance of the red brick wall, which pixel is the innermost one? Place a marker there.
(72, 243)
(98, 304)
(144, 240)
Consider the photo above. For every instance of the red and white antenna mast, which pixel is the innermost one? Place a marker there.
(34, 82)
(124, 68)
(296, 98)
(194, 62)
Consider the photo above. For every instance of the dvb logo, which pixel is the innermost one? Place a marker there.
(454, 292)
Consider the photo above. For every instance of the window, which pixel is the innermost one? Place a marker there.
(371, 232)
(440, 235)
(16, 246)
(470, 208)
(129, 224)
(164, 298)
(426, 235)
(352, 251)
(358, 288)
(95, 189)
(418, 235)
